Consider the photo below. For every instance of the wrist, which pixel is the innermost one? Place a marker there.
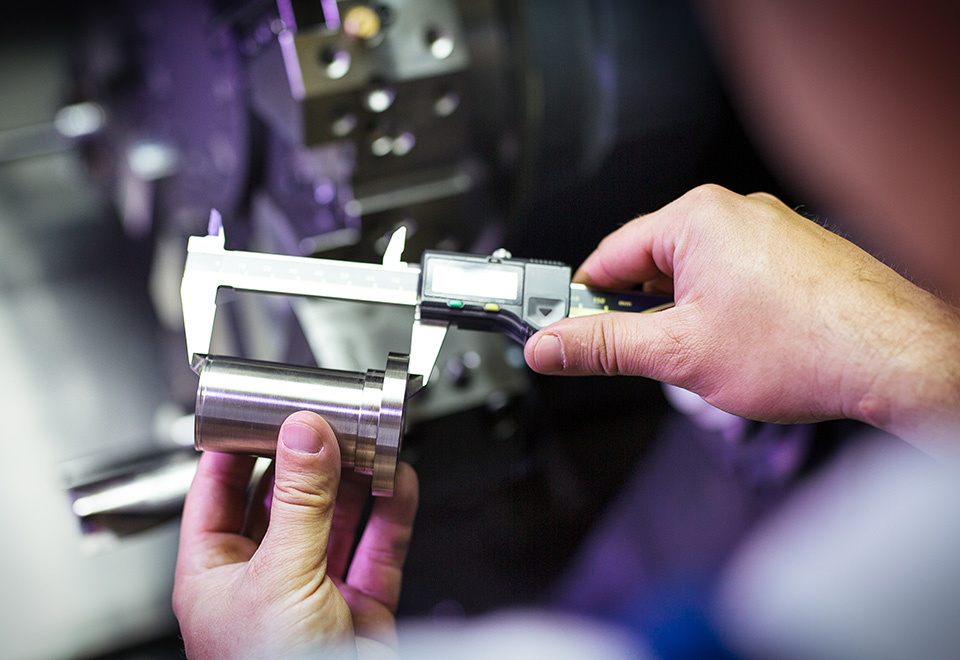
(916, 392)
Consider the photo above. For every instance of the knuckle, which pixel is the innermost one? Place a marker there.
(604, 344)
(301, 493)
(393, 552)
(766, 198)
(601, 268)
(708, 193)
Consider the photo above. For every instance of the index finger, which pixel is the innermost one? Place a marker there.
(630, 255)
(216, 502)
(351, 499)
(377, 568)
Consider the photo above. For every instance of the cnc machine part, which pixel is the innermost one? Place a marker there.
(242, 403)
(320, 128)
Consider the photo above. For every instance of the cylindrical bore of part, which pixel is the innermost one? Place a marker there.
(242, 403)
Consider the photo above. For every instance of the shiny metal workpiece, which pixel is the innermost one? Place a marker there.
(242, 403)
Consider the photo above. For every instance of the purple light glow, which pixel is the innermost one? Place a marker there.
(331, 15)
(292, 64)
(286, 15)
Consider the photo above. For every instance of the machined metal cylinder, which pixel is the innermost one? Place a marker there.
(242, 403)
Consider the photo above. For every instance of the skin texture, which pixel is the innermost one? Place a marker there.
(776, 319)
(275, 580)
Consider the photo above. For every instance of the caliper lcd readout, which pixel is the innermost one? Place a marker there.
(473, 281)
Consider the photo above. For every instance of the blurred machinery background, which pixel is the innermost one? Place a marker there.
(317, 128)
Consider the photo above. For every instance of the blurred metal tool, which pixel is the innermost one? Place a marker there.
(70, 124)
(153, 488)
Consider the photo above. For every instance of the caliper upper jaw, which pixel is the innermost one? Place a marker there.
(209, 266)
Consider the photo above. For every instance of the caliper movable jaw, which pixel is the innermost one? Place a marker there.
(426, 337)
(426, 340)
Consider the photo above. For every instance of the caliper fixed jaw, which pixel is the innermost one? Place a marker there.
(198, 293)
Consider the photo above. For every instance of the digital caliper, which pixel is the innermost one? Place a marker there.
(241, 403)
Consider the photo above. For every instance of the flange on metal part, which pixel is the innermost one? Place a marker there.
(242, 403)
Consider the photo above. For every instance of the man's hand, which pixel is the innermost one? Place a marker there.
(776, 319)
(272, 580)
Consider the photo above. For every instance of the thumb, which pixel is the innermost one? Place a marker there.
(304, 495)
(654, 345)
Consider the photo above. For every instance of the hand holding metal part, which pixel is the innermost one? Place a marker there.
(241, 403)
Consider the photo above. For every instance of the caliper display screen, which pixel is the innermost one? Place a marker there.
(484, 281)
